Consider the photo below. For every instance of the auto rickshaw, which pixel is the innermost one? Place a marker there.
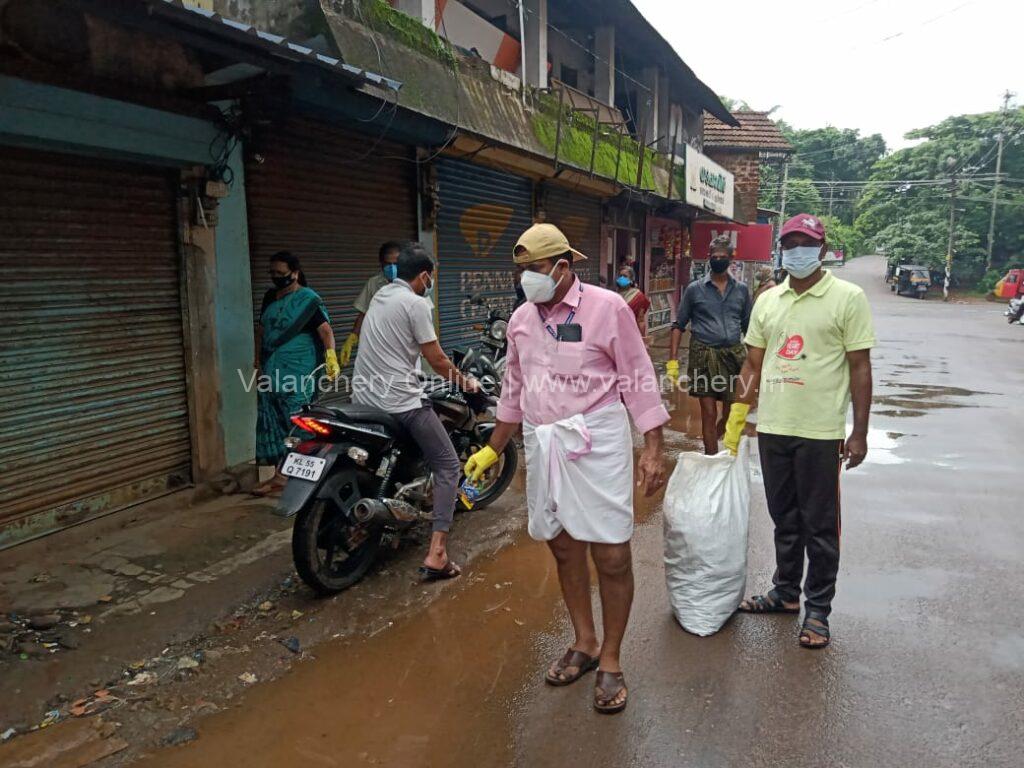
(1011, 285)
(911, 280)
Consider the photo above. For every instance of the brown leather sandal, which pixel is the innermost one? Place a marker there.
(608, 686)
(577, 659)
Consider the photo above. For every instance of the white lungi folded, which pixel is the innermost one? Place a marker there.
(579, 477)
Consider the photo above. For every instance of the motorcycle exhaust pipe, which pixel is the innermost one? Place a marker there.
(388, 512)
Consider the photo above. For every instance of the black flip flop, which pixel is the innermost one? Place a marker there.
(770, 603)
(450, 571)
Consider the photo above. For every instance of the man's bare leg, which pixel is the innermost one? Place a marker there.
(574, 577)
(437, 555)
(709, 424)
(615, 578)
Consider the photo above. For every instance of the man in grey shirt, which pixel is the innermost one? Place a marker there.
(398, 328)
(717, 309)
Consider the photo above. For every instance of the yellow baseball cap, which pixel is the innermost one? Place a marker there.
(543, 241)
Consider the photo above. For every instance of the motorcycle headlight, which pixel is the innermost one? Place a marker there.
(498, 330)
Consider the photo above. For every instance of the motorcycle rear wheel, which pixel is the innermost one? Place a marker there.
(330, 553)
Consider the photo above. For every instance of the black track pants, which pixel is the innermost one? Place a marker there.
(801, 481)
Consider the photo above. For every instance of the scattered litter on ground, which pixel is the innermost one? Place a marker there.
(50, 718)
(247, 677)
(44, 621)
(297, 615)
(266, 606)
(187, 662)
(7, 734)
(291, 643)
(179, 736)
(98, 702)
(143, 678)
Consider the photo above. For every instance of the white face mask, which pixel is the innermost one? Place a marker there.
(538, 287)
(801, 261)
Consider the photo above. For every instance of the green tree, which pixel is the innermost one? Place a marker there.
(824, 154)
(906, 210)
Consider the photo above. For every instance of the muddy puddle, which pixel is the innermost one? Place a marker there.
(419, 691)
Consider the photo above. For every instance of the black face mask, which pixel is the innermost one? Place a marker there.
(282, 281)
(718, 266)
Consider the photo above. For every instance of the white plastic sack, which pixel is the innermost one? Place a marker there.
(706, 512)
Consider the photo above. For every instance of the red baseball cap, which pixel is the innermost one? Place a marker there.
(806, 223)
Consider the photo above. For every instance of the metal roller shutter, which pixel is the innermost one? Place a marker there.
(92, 368)
(579, 218)
(320, 195)
(482, 213)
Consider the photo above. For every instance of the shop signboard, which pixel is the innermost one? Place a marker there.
(708, 185)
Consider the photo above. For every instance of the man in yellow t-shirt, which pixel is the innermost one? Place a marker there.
(808, 343)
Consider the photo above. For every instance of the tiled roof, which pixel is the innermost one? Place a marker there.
(756, 131)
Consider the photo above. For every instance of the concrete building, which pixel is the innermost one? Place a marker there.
(154, 154)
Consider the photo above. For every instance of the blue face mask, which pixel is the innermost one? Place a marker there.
(390, 271)
(801, 261)
(622, 281)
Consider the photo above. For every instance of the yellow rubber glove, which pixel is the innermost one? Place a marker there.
(672, 370)
(734, 426)
(333, 370)
(346, 349)
(479, 463)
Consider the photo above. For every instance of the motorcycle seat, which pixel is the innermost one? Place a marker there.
(355, 413)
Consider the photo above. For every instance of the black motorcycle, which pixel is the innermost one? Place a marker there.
(362, 481)
(486, 360)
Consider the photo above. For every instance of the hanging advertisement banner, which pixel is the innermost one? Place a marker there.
(751, 242)
(708, 185)
(752, 247)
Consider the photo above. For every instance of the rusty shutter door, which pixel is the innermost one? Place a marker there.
(320, 195)
(579, 217)
(92, 368)
(482, 214)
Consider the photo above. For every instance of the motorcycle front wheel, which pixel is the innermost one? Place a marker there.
(330, 552)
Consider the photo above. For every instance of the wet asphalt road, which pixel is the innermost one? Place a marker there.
(926, 667)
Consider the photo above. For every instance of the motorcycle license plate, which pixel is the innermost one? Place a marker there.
(303, 467)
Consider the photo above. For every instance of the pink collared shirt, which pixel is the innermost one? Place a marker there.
(548, 380)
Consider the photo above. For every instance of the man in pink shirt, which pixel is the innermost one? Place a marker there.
(576, 364)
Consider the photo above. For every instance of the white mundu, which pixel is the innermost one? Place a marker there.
(579, 477)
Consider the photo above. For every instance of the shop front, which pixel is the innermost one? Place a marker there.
(331, 197)
(579, 218)
(481, 213)
(622, 242)
(667, 263)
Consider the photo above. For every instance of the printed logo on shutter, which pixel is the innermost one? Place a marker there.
(483, 225)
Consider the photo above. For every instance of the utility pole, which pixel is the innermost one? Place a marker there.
(782, 207)
(952, 228)
(995, 188)
(831, 194)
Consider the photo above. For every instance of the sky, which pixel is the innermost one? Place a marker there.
(882, 66)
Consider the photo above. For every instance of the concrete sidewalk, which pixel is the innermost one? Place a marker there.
(171, 608)
(109, 592)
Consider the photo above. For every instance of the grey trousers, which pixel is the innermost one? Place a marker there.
(428, 432)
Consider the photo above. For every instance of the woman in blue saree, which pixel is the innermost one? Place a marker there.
(292, 336)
